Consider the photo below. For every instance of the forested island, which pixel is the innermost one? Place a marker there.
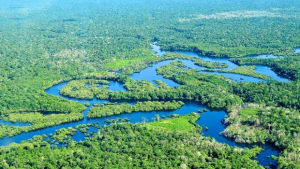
(125, 84)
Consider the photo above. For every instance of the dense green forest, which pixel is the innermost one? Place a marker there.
(171, 143)
(285, 66)
(58, 48)
(43, 43)
(111, 109)
(247, 70)
(256, 123)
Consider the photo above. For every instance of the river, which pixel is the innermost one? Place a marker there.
(211, 119)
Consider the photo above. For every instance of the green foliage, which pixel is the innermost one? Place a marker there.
(78, 90)
(246, 70)
(182, 124)
(271, 93)
(37, 120)
(261, 124)
(112, 109)
(63, 133)
(121, 63)
(197, 87)
(45, 43)
(208, 64)
(286, 66)
(130, 146)
(249, 111)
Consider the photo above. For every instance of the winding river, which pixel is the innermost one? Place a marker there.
(211, 119)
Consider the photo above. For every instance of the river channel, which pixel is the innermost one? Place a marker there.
(211, 119)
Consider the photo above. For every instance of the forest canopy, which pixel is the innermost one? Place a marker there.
(91, 43)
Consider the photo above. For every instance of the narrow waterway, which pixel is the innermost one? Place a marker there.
(236, 77)
(211, 119)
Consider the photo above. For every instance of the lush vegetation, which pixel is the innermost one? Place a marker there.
(43, 43)
(246, 70)
(145, 90)
(131, 146)
(212, 90)
(37, 121)
(267, 124)
(286, 66)
(58, 48)
(271, 93)
(181, 124)
(110, 109)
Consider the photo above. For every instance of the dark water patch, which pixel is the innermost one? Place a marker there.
(79, 136)
(58, 31)
(264, 157)
(116, 86)
(18, 19)
(212, 120)
(14, 123)
(81, 35)
(69, 20)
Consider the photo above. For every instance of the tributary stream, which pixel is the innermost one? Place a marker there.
(211, 119)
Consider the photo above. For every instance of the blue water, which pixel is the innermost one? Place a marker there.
(116, 86)
(297, 50)
(236, 77)
(267, 71)
(211, 119)
(150, 74)
(14, 124)
(210, 59)
(78, 136)
(157, 50)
